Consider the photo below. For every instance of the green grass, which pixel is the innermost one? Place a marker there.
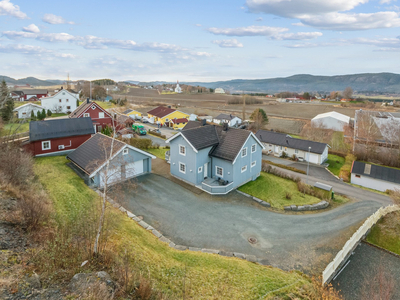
(335, 163)
(20, 103)
(159, 152)
(207, 276)
(386, 233)
(13, 128)
(272, 189)
(103, 104)
(284, 167)
(55, 115)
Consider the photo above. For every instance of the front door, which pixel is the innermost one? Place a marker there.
(205, 170)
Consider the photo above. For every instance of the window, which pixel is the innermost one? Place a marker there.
(296, 151)
(125, 151)
(270, 145)
(182, 150)
(280, 147)
(244, 168)
(59, 100)
(166, 120)
(93, 107)
(253, 164)
(46, 145)
(68, 107)
(244, 152)
(24, 113)
(86, 115)
(63, 93)
(358, 176)
(182, 168)
(200, 169)
(60, 107)
(67, 100)
(101, 115)
(219, 171)
(253, 148)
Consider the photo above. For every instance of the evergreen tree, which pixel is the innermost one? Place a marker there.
(49, 113)
(38, 115)
(33, 118)
(77, 102)
(43, 114)
(6, 102)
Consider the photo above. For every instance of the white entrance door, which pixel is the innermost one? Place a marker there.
(313, 158)
(205, 168)
(94, 126)
(276, 149)
(134, 169)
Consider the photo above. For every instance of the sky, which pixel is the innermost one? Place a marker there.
(197, 40)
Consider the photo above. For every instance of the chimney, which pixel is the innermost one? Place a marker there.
(203, 122)
(225, 127)
(87, 100)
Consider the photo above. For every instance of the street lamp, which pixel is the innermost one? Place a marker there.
(308, 163)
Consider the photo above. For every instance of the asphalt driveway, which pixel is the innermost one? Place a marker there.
(305, 241)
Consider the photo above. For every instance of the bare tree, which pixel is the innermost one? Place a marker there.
(366, 134)
(348, 93)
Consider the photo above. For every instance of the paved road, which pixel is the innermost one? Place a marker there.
(155, 140)
(369, 270)
(289, 241)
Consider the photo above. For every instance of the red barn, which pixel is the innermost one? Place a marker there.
(58, 136)
(100, 117)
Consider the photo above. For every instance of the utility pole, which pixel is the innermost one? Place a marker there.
(244, 107)
(90, 90)
(308, 163)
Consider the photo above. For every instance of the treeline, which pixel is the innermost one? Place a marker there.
(104, 82)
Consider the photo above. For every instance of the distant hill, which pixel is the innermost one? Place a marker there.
(368, 82)
(29, 80)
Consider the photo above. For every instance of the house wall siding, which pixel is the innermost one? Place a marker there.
(373, 183)
(75, 141)
(27, 110)
(202, 158)
(189, 160)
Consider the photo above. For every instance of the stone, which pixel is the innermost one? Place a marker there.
(287, 208)
(301, 208)
(180, 247)
(239, 255)
(116, 205)
(211, 251)
(4, 245)
(34, 281)
(156, 233)
(82, 282)
(226, 253)
(122, 209)
(293, 207)
(171, 244)
(144, 224)
(149, 228)
(130, 215)
(110, 200)
(266, 204)
(324, 204)
(137, 219)
(164, 239)
(194, 249)
(307, 207)
(258, 200)
(251, 258)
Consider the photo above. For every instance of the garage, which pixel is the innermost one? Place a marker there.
(314, 158)
(134, 169)
(113, 176)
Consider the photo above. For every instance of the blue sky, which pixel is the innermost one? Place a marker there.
(197, 40)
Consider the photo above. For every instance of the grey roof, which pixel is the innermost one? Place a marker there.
(323, 186)
(282, 139)
(377, 172)
(34, 92)
(127, 111)
(18, 92)
(193, 124)
(58, 128)
(225, 144)
(94, 152)
(224, 117)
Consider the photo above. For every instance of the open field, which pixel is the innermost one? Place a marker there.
(207, 276)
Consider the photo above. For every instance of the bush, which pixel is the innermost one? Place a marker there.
(141, 143)
(157, 134)
(249, 100)
(49, 113)
(288, 196)
(284, 154)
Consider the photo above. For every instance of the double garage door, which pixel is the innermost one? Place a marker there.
(123, 172)
(314, 159)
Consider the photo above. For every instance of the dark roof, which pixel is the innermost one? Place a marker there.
(34, 92)
(18, 92)
(226, 144)
(127, 111)
(57, 128)
(224, 117)
(72, 91)
(282, 139)
(192, 124)
(161, 111)
(94, 152)
(377, 172)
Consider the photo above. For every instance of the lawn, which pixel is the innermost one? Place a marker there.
(386, 233)
(272, 189)
(159, 152)
(103, 104)
(55, 115)
(335, 163)
(13, 128)
(20, 103)
(207, 276)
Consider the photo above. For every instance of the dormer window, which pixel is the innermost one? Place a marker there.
(93, 107)
(125, 151)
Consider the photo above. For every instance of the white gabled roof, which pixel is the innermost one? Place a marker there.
(333, 114)
(19, 107)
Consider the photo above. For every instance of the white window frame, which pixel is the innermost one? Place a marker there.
(93, 106)
(101, 115)
(244, 169)
(296, 151)
(125, 151)
(184, 165)
(67, 100)
(244, 149)
(184, 150)
(216, 171)
(43, 148)
(200, 170)
(280, 147)
(253, 163)
(255, 148)
(85, 115)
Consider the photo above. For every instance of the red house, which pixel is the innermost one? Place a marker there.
(58, 136)
(100, 117)
(31, 94)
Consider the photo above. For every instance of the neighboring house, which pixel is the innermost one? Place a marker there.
(331, 120)
(90, 161)
(62, 102)
(163, 115)
(122, 122)
(375, 177)
(17, 95)
(216, 159)
(178, 124)
(58, 136)
(194, 124)
(207, 118)
(25, 95)
(192, 117)
(277, 143)
(134, 114)
(100, 117)
(230, 119)
(25, 111)
(219, 91)
(178, 89)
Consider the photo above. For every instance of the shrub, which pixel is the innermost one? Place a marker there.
(156, 134)
(140, 143)
(288, 196)
(284, 154)
(49, 113)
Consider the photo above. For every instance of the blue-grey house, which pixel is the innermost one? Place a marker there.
(90, 160)
(216, 159)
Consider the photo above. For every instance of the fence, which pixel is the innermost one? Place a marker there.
(351, 244)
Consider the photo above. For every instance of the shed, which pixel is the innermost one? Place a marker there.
(325, 188)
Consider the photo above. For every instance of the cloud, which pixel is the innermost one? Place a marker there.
(233, 43)
(32, 50)
(247, 31)
(386, 1)
(259, 19)
(53, 19)
(198, 25)
(297, 36)
(31, 28)
(9, 9)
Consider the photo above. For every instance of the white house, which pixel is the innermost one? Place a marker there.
(62, 102)
(375, 177)
(230, 119)
(219, 91)
(178, 88)
(331, 120)
(192, 117)
(25, 111)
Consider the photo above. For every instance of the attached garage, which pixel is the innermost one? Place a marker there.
(314, 158)
(126, 162)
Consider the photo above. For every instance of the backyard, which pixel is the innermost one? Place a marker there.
(159, 152)
(335, 163)
(274, 189)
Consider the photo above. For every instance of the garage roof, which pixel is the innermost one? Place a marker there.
(377, 172)
(333, 114)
